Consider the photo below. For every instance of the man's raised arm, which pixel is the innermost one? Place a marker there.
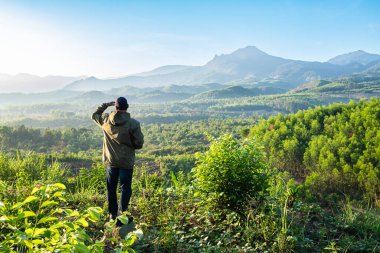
(97, 116)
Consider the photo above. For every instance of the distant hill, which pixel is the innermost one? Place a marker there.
(92, 98)
(374, 69)
(354, 85)
(161, 94)
(165, 70)
(238, 91)
(159, 97)
(359, 56)
(193, 89)
(244, 64)
(155, 96)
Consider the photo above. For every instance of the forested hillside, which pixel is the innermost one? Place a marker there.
(303, 182)
(336, 149)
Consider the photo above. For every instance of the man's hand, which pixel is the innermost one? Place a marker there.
(109, 103)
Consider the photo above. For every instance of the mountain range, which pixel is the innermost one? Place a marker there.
(246, 66)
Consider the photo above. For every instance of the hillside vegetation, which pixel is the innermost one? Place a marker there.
(336, 149)
(304, 182)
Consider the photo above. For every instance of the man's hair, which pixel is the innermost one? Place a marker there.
(121, 104)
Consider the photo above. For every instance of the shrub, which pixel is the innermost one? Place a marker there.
(231, 173)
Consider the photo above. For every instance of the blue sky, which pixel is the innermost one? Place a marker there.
(116, 38)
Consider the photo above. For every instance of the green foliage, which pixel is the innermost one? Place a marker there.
(66, 139)
(176, 219)
(232, 173)
(176, 163)
(362, 228)
(356, 84)
(324, 156)
(41, 222)
(335, 148)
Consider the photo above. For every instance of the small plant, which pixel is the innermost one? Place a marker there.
(332, 248)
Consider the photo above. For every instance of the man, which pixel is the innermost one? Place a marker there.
(122, 136)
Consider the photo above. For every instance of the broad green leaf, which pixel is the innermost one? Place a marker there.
(58, 210)
(72, 213)
(37, 242)
(35, 189)
(47, 219)
(62, 199)
(60, 186)
(29, 232)
(130, 239)
(58, 225)
(25, 214)
(94, 213)
(48, 203)
(70, 225)
(29, 199)
(17, 205)
(123, 219)
(28, 244)
(39, 231)
(29, 213)
(83, 222)
(82, 248)
(58, 194)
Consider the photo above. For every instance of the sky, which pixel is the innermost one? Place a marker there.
(112, 38)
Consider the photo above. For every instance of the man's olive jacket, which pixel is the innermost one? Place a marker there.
(122, 135)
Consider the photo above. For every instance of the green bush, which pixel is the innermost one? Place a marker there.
(232, 173)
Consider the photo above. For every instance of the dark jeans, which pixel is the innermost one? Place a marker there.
(125, 176)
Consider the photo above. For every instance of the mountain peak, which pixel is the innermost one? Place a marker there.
(249, 51)
(245, 62)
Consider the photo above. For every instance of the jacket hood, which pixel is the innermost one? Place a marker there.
(119, 118)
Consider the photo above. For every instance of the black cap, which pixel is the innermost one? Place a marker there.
(121, 103)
